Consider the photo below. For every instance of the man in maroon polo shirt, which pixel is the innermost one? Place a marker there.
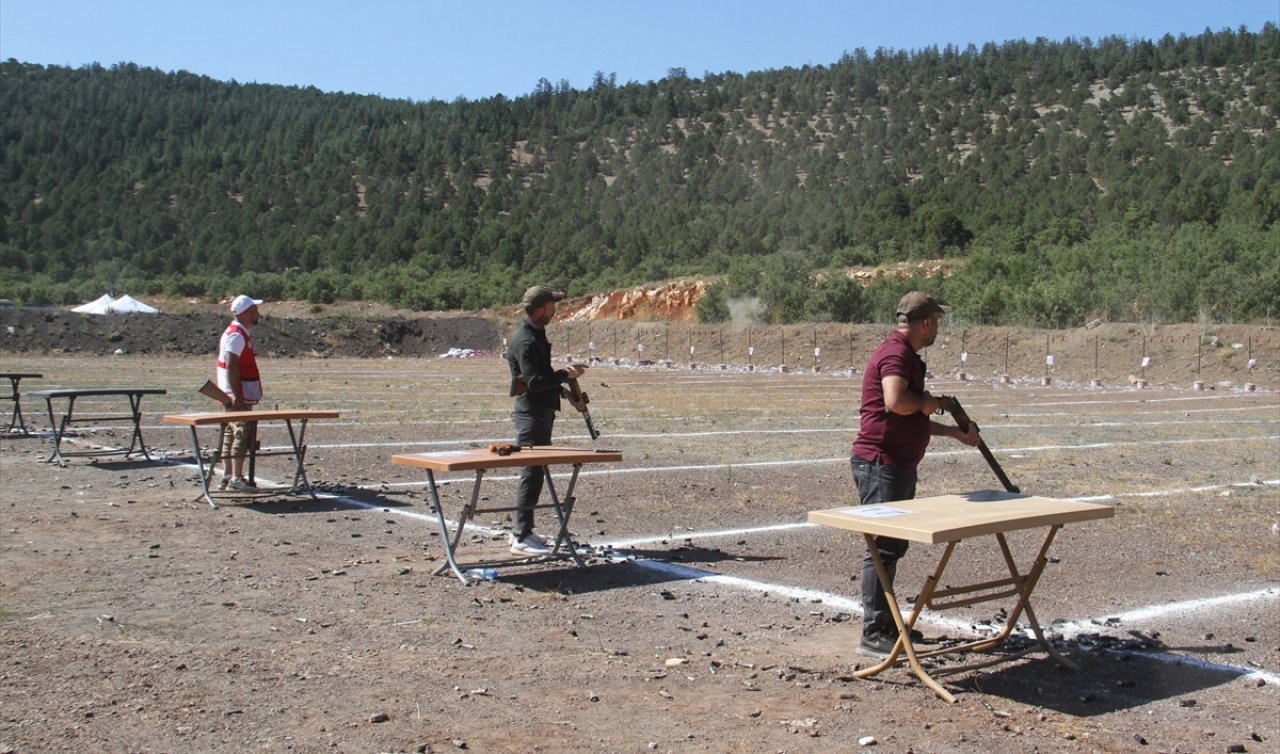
(892, 437)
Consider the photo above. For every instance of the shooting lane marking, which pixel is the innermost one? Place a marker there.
(845, 459)
(1070, 629)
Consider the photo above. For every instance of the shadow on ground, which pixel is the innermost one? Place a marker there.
(1109, 680)
(625, 569)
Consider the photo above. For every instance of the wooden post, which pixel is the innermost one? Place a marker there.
(1048, 361)
(1198, 384)
(1004, 377)
(1249, 386)
(1097, 378)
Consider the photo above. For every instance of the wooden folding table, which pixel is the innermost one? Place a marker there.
(221, 419)
(59, 424)
(15, 395)
(950, 519)
(481, 460)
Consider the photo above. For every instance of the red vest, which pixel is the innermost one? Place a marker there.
(248, 364)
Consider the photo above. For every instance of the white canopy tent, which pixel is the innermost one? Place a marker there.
(105, 304)
(100, 305)
(127, 304)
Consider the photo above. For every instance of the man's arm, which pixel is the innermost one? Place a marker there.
(969, 437)
(898, 399)
(904, 402)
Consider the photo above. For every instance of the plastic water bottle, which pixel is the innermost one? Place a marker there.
(481, 574)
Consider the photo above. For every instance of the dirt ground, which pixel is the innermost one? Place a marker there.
(710, 617)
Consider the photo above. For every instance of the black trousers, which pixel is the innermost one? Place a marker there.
(881, 483)
(532, 428)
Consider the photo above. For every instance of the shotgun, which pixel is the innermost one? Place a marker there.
(212, 391)
(952, 404)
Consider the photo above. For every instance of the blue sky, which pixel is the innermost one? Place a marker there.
(478, 48)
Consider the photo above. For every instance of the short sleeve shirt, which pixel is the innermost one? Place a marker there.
(883, 436)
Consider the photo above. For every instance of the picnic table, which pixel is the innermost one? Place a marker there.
(221, 419)
(952, 519)
(59, 422)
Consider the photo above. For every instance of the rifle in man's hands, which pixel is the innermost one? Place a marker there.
(576, 396)
(952, 404)
(579, 399)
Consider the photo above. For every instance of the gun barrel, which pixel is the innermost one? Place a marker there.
(964, 422)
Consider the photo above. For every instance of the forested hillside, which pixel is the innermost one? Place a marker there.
(1066, 180)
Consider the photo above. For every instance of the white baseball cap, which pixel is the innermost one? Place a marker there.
(242, 303)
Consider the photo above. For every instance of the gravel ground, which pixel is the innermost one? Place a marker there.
(135, 618)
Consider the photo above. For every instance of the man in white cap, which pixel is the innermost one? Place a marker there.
(238, 377)
(536, 388)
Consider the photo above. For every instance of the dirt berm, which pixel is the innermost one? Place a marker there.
(52, 330)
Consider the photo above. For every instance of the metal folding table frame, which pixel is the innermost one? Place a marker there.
(15, 395)
(951, 519)
(222, 419)
(482, 460)
(59, 424)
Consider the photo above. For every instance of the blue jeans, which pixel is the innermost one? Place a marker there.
(532, 428)
(881, 483)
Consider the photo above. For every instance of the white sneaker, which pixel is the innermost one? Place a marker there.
(240, 484)
(530, 545)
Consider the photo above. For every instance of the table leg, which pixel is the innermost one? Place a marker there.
(299, 455)
(57, 427)
(204, 475)
(904, 627)
(564, 509)
(16, 419)
(135, 405)
(251, 441)
(1028, 585)
(451, 543)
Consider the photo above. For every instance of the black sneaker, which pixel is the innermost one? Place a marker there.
(876, 645)
(880, 645)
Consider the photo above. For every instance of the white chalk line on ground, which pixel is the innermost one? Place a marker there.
(850, 429)
(1068, 629)
(845, 459)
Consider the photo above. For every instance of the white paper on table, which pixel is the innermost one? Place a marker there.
(876, 511)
